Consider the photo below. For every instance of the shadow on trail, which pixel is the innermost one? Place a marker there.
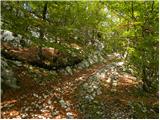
(100, 91)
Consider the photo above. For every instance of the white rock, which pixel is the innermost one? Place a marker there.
(7, 36)
(114, 83)
(119, 63)
(68, 109)
(99, 92)
(49, 102)
(90, 90)
(101, 75)
(90, 61)
(69, 70)
(95, 86)
(35, 95)
(23, 115)
(85, 85)
(86, 63)
(94, 94)
(108, 80)
(55, 113)
(68, 104)
(87, 97)
(69, 115)
(91, 97)
(27, 109)
(95, 58)
(45, 96)
(63, 104)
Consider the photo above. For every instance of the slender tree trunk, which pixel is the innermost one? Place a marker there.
(42, 32)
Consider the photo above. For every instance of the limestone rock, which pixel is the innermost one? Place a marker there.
(69, 70)
(7, 75)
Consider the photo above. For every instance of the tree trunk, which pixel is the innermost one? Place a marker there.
(42, 33)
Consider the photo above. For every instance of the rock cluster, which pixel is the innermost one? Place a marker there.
(92, 59)
(92, 88)
(7, 75)
(14, 39)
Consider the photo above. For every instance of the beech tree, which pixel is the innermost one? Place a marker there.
(129, 28)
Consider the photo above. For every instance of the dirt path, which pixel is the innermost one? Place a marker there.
(64, 99)
(32, 97)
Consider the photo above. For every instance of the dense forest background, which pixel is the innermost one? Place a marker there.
(46, 40)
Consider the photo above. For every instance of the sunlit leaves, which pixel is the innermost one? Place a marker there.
(128, 33)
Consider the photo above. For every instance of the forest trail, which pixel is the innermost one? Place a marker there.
(70, 94)
(90, 59)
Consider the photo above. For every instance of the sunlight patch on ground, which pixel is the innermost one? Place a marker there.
(9, 101)
(101, 75)
(11, 113)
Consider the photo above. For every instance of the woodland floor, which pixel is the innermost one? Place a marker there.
(60, 98)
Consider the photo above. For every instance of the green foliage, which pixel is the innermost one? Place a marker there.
(139, 109)
(139, 24)
(126, 27)
(62, 22)
(143, 111)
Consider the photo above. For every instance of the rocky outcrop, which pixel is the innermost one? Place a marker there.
(50, 58)
(8, 78)
(16, 47)
(14, 39)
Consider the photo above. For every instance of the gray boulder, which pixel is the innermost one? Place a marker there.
(7, 75)
(14, 39)
(86, 63)
(90, 61)
(69, 70)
